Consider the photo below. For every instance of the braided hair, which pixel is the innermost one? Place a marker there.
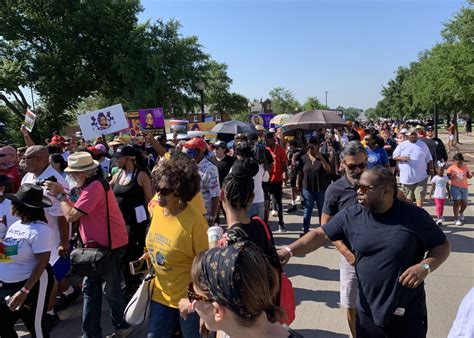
(238, 185)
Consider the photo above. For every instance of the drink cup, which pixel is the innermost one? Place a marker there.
(214, 233)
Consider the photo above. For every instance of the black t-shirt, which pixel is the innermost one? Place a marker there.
(385, 245)
(314, 175)
(432, 147)
(223, 166)
(339, 195)
(255, 233)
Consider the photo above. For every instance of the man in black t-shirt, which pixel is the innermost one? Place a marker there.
(389, 239)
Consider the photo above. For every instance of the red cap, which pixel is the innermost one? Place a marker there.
(94, 151)
(57, 140)
(196, 143)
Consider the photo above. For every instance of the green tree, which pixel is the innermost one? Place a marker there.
(283, 101)
(313, 103)
(350, 113)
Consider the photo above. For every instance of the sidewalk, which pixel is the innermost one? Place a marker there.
(316, 279)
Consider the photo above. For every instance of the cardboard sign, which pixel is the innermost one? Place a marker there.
(153, 120)
(103, 122)
(30, 119)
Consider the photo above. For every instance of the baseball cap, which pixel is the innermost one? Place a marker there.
(196, 143)
(429, 128)
(125, 151)
(56, 140)
(403, 131)
(100, 147)
(220, 144)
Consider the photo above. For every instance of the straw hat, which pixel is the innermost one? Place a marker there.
(80, 161)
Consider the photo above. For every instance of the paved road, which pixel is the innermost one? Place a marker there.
(316, 280)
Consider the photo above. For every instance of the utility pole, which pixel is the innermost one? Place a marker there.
(326, 99)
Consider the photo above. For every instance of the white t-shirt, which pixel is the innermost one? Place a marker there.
(55, 210)
(258, 189)
(105, 165)
(21, 243)
(415, 169)
(440, 186)
(6, 210)
(210, 187)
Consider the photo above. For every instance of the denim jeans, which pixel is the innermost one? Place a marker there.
(111, 285)
(309, 199)
(163, 321)
(257, 209)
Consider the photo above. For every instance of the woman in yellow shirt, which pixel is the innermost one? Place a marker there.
(177, 234)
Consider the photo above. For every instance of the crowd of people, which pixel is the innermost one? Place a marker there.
(198, 212)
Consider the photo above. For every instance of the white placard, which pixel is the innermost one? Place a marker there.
(102, 122)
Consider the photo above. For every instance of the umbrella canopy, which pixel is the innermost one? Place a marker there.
(314, 119)
(280, 119)
(233, 127)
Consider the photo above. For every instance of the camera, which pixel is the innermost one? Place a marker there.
(51, 178)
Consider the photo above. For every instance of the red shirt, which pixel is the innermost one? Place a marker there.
(279, 158)
(13, 174)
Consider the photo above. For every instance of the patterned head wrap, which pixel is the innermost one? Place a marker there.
(221, 276)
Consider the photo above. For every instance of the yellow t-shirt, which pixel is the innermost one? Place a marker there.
(197, 203)
(172, 243)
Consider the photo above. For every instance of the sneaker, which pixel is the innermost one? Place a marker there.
(122, 333)
(439, 222)
(461, 217)
(64, 301)
(50, 321)
(442, 219)
(458, 222)
(281, 228)
(291, 209)
(274, 213)
(298, 199)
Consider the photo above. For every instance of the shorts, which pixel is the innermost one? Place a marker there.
(451, 137)
(415, 191)
(458, 193)
(349, 287)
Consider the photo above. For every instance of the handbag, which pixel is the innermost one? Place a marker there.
(92, 262)
(287, 296)
(137, 310)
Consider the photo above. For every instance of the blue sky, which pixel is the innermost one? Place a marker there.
(346, 47)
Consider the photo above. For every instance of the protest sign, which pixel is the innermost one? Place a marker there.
(262, 119)
(30, 119)
(103, 122)
(153, 120)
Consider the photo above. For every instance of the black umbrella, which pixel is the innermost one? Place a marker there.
(233, 127)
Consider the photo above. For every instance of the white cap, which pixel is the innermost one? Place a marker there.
(403, 131)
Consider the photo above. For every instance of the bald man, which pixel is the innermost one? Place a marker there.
(9, 166)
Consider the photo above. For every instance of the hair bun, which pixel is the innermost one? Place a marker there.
(245, 168)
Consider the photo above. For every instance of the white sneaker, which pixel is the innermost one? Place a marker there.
(461, 216)
(274, 213)
(439, 222)
(298, 199)
(458, 222)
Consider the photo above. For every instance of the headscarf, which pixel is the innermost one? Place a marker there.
(221, 276)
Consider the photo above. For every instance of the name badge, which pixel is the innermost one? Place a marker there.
(399, 311)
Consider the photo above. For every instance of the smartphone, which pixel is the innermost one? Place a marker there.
(139, 266)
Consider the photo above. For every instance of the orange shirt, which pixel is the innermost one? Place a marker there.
(458, 175)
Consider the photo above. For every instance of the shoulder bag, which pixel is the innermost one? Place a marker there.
(137, 311)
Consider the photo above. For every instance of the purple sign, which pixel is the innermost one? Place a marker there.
(262, 119)
(153, 119)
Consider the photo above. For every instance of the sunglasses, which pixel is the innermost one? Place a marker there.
(362, 165)
(365, 188)
(164, 191)
(193, 296)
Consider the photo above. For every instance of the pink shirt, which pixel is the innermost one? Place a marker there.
(93, 225)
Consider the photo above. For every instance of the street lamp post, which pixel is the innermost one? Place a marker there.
(200, 87)
(250, 107)
(326, 99)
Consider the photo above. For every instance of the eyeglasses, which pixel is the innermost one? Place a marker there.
(164, 191)
(362, 166)
(193, 296)
(365, 188)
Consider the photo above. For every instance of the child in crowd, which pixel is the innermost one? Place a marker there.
(459, 174)
(439, 188)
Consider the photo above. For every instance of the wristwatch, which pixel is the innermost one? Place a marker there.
(61, 197)
(426, 267)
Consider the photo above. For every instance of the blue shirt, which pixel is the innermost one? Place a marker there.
(385, 245)
(377, 156)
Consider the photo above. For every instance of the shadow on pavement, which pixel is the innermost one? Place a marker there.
(320, 334)
(312, 271)
(329, 298)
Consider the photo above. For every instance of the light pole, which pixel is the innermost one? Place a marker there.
(326, 99)
(200, 87)
(250, 107)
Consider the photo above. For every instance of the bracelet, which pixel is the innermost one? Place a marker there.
(288, 250)
(25, 290)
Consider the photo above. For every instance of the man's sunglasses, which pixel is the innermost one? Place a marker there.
(362, 165)
(366, 188)
(193, 296)
(164, 191)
